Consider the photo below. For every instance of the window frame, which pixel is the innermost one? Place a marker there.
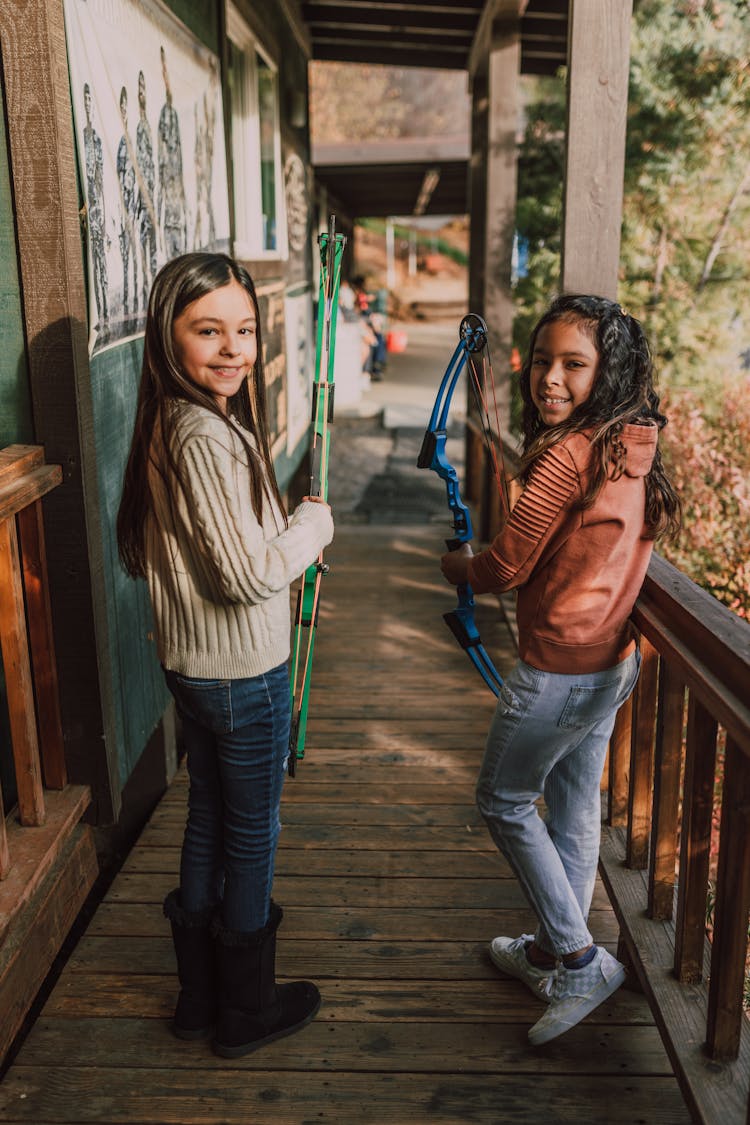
(246, 149)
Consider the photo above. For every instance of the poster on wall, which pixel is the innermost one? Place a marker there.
(299, 365)
(150, 137)
(271, 306)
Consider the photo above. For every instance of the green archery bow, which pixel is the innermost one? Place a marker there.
(308, 599)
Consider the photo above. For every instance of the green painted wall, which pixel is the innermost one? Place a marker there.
(139, 692)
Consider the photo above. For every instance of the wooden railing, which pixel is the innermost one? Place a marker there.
(26, 637)
(687, 724)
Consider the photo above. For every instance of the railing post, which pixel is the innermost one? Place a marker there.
(619, 766)
(729, 949)
(41, 641)
(15, 651)
(669, 724)
(642, 758)
(695, 843)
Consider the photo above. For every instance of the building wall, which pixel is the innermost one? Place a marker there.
(133, 697)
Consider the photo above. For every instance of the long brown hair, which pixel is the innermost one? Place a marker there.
(180, 282)
(623, 392)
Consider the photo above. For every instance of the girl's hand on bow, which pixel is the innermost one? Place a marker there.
(455, 565)
(316, 500)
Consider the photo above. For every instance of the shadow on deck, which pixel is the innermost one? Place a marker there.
(391, 889)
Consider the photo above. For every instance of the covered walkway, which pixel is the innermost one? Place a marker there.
(390, 885)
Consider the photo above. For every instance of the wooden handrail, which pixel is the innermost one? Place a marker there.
(26, 635)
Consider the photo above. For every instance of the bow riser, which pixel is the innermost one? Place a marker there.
(433, 455)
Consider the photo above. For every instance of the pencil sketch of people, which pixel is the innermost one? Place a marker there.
(145, 206)
(128, 204)
(92, 149)
(172, 210)
(204, 166)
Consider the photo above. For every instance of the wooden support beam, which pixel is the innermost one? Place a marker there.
(598, 71)
(493, 179)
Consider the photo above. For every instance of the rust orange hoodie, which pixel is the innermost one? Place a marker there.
(578, 570)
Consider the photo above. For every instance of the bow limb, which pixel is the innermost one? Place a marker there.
(433, 455)
(308, 599)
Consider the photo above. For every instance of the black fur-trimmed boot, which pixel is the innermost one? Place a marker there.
(253, 1008)
(197, 1005)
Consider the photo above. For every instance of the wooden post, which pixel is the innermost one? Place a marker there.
(598, 69)
(725, 1013)
(642, 758)
(495, 99)
(695, 842)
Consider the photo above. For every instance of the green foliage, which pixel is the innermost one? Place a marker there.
(709, 462)
(684, 257)
(428, 242)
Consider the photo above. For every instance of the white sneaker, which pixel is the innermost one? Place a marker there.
(575, 993)
(509, 955)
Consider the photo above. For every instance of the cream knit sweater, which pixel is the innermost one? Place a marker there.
(219, 582)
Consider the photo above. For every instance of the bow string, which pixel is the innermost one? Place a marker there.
(308, 598)
(473, 343)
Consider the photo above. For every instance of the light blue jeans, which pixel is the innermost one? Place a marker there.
(236, 734)
(549, 738)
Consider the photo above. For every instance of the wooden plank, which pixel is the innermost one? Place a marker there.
(311, 837)
(35, 851)
(352, 814)
(42, 646)
(30, 947)
(415, 923)
(714, 1090)
(419, 1047)
(341, 861)
(18, 460)
(21, 710)
(152, 996)
(598, 75)
(28, 489)
(76, 1095)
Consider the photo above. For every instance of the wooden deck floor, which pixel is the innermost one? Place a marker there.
(391, 890)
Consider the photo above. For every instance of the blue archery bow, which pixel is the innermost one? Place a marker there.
(432, 455)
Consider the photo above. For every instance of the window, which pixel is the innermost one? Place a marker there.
(259, 221)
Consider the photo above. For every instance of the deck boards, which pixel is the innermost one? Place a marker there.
(391, 890)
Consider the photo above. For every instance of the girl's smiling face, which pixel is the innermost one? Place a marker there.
(215, 341)
(564, 365)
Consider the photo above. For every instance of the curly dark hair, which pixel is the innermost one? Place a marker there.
(623, 392)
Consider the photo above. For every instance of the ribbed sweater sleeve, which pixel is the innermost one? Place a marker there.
(242, 564)
(510, 559)
(218, 578)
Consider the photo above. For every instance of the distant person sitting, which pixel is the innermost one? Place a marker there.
(376, 356)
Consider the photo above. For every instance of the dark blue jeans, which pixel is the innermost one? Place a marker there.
(236, 735)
